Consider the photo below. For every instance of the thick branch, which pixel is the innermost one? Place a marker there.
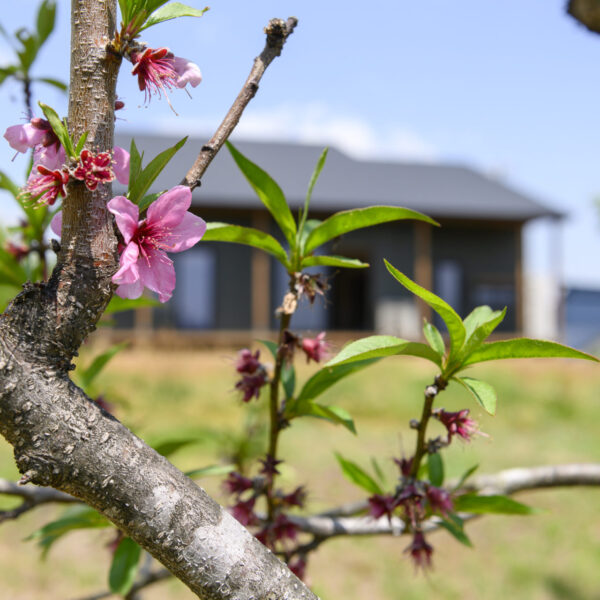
(587, 12)
(277, 32)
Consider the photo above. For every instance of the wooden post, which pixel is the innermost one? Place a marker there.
(260, 279)
(423, 263)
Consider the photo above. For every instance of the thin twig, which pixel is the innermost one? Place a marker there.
(277, 32)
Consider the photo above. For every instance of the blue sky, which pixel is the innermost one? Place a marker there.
(510, 88)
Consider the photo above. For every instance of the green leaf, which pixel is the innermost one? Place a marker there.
(7, 71)
(81, 143)
(135, 164)
(77, 517)
(29, 51)
(358, 218)
(434, 338)
(465, 476)
(456, 329)
(211, 471)
(124, 567)
(271, 346)
(378, 470)
(478, 332)
(223, 232)
(524, 348)
(269, 193)
(59, 129)
(11, 272)
(435, 467)
(172, 11)
(357, 476)
(139, 185)
(313, 179)
(288, 379)
(379, 346)
(332, 261)
(483, 392)
(118, 304)
(86, 376)
(324, 378)
(45, 20)
(147, 200)
(455, 528)
(333, 414)
(167, 447)
(472, 503)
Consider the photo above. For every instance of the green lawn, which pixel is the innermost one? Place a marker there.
(548, 412)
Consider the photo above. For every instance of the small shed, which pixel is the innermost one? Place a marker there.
(473, 258)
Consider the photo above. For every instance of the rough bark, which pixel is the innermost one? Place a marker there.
(63, 439)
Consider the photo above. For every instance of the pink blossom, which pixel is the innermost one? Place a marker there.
(37, 134)
(159, 70)
(457, 423)
(247, 362)
(121, 164)
(315, 348)
(420, 551)
(439, 500)
(47, 185)
(244, 512)
(94, 169)
(23, 137)
(168, 227)
(251, 384)
(56, 224)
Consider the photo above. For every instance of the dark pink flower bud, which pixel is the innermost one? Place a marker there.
(457, 423)
(420, 551)
(47, 185)
(250, 385)
(439, 500)
(269, 466)
(298, 567)
(247, 362)
(244, 512)
(93, 170)
(296, 498)
(237, 483)
(315, 348)
(382, 505)
(283, 528)
(405, 465)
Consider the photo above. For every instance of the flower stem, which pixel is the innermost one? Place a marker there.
(431, 391)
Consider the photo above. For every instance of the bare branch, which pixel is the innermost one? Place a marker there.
(277, 32)
(587, 12)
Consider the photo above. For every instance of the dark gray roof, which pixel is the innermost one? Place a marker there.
(441, 191)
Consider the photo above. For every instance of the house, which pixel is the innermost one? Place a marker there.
(473, 258)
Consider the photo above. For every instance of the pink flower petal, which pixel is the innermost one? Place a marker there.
(187, 233)
(168, 211)
(49, 157)
(187, 71)
(128, 273)
(23, 137)
(56, 224)
(126, 215)
(158, 273)
(130, 291)
(121, 164)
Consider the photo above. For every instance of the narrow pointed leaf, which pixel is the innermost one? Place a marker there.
(481, 332)
(313, 179)
(435, 467)
(148, 199)
(211, 471)
(359, 218)
(323, 379)
(53, 82)
(434, 338)
(472, 503)
(454, 323)
(483, 392)
(465, 476)
(358, 476)
(81, 143)
(172, 10)
(456, 531)
(524, 348)
(378, 470)
(118, 304)
(87, 376)
(379, 346)
(45, 20)
(271, 346)
(59, 129)
(135, 164)
(332, 261)
(333, 414)
(124, 567)
(169, 446)
(223, 232)
(139, 185)
(288, 379)
(269, 193)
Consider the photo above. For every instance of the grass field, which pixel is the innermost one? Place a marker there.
(548, 413)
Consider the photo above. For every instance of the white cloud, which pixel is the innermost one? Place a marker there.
(317, 123)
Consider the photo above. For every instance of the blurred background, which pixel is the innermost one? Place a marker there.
(480, 114)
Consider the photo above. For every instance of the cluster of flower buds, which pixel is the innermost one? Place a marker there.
(314, 348)
(414, 501)
(457, 423)
(253, 372)
(50, 173)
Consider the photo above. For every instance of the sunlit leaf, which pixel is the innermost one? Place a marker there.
(124, 566)
(472, 503)
(435, 467)
(483, 392)
(434, 338)
(358, 476)
(172, 10)
(332, 261)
